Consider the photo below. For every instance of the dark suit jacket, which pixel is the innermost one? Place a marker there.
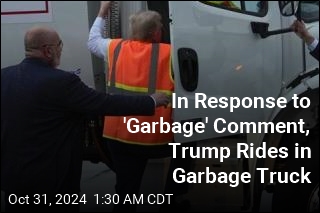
(42, 126)
(315, 52)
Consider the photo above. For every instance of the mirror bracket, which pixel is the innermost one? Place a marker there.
(261, 28)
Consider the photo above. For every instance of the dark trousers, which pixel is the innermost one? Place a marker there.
(176, 189)
(185, 163)
(129, 161)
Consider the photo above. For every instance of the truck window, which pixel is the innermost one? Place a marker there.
(256, 8)
(310, 11)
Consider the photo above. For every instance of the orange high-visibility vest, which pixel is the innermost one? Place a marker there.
(139, 68)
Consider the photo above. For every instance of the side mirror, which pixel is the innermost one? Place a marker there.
(288, 8)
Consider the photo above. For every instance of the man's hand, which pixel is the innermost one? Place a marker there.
(160, 99)
(300, 29)
(104, 8)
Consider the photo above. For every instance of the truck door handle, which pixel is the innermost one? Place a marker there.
(188, 66)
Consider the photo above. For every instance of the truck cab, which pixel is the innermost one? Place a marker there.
(221, 51)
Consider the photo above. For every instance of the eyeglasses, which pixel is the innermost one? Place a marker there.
(60, 44)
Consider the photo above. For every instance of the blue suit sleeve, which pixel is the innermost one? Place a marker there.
(315, 52)
(81, 98)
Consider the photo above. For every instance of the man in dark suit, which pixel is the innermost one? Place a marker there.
(313, 44)
(42, 125)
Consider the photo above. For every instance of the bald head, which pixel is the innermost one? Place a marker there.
(43, 43)
(38, 36)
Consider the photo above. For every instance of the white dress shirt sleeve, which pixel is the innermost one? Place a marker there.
(313, 45)
(96, 43)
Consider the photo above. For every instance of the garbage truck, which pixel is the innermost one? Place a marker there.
(246, 89)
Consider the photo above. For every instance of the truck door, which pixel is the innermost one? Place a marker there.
(216, 54)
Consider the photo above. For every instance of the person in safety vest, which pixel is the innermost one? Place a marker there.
(139, 65)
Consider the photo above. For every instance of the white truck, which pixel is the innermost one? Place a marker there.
(219, 54)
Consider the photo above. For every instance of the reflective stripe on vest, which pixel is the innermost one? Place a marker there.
(139, 68)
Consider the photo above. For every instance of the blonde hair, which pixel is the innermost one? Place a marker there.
(144, 24)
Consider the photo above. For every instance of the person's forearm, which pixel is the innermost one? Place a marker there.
(102, 13)
(96, 43)
(308, 39)
(104, 8)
